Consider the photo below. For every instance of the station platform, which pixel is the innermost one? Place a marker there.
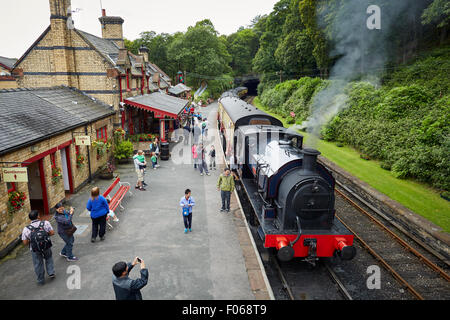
(216, 261)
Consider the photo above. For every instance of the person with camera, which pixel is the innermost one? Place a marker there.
(124, 287)
(66, 229)
(37, 237)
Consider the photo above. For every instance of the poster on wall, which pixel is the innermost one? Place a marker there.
(15, 174)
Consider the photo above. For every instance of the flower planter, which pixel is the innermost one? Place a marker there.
(106, 175)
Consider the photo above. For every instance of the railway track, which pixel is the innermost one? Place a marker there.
(420, 270)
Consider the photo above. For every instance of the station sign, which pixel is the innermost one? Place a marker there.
(83, 141)
(15, 174)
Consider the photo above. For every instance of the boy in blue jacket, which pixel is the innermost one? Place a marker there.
(186, 203)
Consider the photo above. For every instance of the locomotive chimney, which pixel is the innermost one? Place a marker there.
(310, 159)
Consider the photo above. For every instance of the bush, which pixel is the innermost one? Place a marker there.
(124, 150)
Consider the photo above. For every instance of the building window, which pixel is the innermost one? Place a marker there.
(53, 159)
(102, 134)
(11, 186)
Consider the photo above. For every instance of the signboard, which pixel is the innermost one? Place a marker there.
(83, 141)
(15, 174)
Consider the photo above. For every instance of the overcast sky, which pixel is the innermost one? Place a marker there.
(23, 21)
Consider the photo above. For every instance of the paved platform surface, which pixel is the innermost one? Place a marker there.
(207, 264)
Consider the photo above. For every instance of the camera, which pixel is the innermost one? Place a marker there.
(139, 260)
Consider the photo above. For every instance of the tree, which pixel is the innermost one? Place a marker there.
(308, 13)
(438, 12)
(242, 47)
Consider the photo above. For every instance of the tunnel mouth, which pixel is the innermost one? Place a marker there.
(252, 86)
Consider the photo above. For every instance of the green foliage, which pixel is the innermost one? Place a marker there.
(437, 12)
(124, 150)
(404, 126)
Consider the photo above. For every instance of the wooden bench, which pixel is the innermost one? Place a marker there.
(117, 198)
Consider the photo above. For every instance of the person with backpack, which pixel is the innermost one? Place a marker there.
(37, 237)
(186, 203)
(66, 230)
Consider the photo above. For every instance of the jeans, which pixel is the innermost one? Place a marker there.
(96, 223)
(196, 163)
(212, 163)
(69, 240)
(187, 221)
(38, 262)
(226, 195)
(203, 166)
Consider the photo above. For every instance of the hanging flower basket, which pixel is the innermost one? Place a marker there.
(56, 175)
(16, 200)
(80, 161)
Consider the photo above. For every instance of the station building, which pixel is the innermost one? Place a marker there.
(39, 127)
(68, 83)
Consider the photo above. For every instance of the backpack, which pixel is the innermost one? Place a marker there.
(39, 238)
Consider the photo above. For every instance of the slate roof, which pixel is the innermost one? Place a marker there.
(106, 47)
(8, 62)
(160, 101)
(179, 88)
(33, 115)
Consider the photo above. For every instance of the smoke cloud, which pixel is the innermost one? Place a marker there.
(361, 48)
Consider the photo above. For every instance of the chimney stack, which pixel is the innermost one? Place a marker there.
(143, 51)
(112, 29)
(61, 38)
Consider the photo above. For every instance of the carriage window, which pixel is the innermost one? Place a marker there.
(260, 121)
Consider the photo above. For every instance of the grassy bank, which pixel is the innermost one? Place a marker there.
(416, 196)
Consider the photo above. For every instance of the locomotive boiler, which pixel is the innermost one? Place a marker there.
(292, 194)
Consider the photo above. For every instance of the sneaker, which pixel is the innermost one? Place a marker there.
(92, 240)
(190, 230)
(116, 220)
(72, 259)
(142, 189)
(208, 174)
(136, 187)
(102, 238)
(185, 230)
(222, 210)
(52, 276)
(201, 174)
(228, 210)
(62, 255)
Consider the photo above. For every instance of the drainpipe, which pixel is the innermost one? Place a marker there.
(89, 155)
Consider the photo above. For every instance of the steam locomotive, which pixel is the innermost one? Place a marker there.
(292, 194)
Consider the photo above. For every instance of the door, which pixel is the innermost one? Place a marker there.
(65, 170)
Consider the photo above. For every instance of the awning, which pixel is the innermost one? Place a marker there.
(159, 103)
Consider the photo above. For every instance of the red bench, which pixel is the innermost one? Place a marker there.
(119, 195)
(117, 198)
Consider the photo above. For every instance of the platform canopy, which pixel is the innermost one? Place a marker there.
(159, 103)
(179, 89)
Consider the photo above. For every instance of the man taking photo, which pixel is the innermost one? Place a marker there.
(124, 287)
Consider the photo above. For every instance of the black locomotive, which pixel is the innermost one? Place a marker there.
(291, 193)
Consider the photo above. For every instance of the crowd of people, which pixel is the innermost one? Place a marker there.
(37, 235)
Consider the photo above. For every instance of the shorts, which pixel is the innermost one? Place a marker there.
(140, 175)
